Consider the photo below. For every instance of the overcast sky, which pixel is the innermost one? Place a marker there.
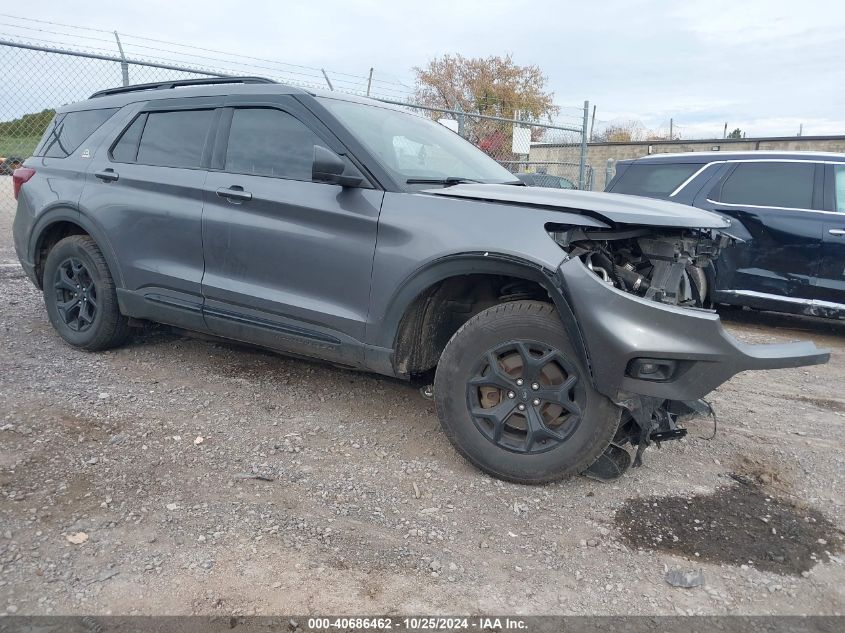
(765, 66)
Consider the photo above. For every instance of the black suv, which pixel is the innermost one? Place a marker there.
(788, 215)
(555, 325)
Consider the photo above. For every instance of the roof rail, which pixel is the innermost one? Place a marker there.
(163, 85)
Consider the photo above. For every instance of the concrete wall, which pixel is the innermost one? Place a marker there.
(599, 153)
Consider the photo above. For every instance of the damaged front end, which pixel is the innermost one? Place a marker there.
(638, 295)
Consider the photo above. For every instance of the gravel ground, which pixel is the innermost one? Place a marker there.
(180, 475)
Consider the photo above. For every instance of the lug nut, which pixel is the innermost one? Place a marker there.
(521, 407)
(536, 402)
(535, 386)
(511, 395)
(519, 382)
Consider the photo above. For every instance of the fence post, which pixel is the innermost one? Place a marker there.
(608, 172)
(461, 120)
(124, 67)
(582, 163)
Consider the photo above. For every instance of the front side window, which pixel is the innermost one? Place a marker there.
(268, 142)
(770, 184)
(839, 187)
(411, 147)
(68, 130)
(655, 180)
(174, 139)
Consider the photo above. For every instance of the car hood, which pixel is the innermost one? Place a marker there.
(612, 207)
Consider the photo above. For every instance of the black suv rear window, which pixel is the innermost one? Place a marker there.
(654, 180)
(68, 130)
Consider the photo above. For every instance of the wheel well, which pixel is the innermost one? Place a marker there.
(51, 236)
(441, 309)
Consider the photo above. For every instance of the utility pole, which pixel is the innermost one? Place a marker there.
(370, 82)
(671, 129)
(801, 130)
(124, 67)
(592, 123)
(725, 132)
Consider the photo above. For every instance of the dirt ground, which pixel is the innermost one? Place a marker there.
(128, 484)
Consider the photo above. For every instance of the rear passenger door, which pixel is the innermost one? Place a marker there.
(146, 192)
(779, 204)
(288, 261)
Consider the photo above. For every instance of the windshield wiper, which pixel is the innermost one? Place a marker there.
(515, 183)
(448, 181)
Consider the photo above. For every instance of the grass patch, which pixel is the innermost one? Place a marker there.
(21, 146)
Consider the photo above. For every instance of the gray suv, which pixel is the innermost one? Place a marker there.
(552, 327)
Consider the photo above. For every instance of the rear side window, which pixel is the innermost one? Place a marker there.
(68, 131)
(267, 142)
(770, 185)
(173, 139)
(654, 180)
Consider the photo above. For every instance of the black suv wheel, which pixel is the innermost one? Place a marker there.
(514, 398)
(80, 295)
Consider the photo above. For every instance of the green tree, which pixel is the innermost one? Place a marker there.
(737, 133)
(27, 125)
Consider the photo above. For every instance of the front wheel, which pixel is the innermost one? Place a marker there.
(515, 399)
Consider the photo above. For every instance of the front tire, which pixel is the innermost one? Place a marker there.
(80, 295)
(515, 399)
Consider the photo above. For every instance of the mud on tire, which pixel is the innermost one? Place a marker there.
(515, 399)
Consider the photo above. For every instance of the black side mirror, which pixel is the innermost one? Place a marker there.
(328, 167)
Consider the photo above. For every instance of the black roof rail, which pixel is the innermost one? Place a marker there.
(163, 85)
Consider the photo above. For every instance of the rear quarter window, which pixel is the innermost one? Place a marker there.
(68, 131)
(654, 180)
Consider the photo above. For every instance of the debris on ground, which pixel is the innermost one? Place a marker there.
(684, 579)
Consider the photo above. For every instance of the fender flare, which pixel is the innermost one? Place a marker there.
(66, 213)
(387, 329)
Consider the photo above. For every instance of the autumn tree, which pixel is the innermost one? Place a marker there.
(622, 132)
(491, 86)
(494, 85)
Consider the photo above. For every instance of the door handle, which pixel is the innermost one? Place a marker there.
(837, 231)
(107, 175)
(235, 193)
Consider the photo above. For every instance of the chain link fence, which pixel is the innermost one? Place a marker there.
(36, 79)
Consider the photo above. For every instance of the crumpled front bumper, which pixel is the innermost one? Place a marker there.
(618, 327)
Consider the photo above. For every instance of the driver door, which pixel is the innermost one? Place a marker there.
(288, 261)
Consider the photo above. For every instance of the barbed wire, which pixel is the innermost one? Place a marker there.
(232, 63)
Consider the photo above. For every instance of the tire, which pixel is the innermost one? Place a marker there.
(80, 295)
(698, 280)
(465, 387)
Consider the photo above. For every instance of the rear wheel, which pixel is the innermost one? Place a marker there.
(80, 295)
(514, 398)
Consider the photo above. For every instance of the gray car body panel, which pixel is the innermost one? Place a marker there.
(323, 271)
(611, 207)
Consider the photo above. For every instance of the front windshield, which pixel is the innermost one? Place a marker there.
(412, 148)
